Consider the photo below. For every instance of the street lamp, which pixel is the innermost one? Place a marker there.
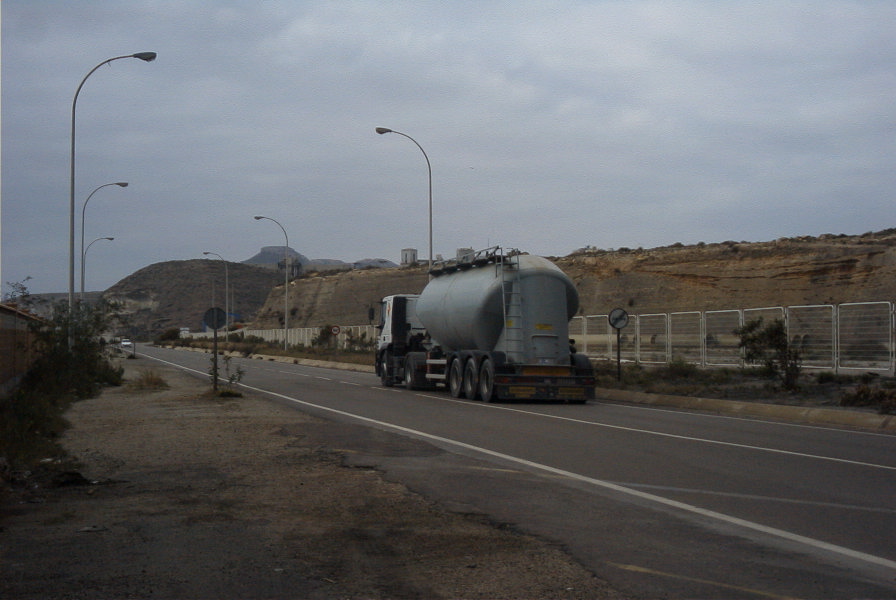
(381, 131)
(84, 259)
(226, 302)
(285, 280)
(144, 56)
(83, 210)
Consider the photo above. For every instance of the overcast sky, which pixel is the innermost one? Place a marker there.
(549, 126)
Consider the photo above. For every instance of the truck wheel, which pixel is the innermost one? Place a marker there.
(487, 381)
(456, 379)
(410, 373)
(471, 380)
(385, 376)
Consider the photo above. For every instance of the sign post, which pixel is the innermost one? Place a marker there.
(618, 319)
(215, 318)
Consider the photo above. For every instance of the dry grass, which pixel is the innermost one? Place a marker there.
(148, 380)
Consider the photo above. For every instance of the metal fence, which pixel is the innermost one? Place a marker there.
(352, 337)
(836, 337)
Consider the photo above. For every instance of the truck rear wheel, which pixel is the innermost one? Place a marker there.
(456, 379)
(471, 379)
(487, 381)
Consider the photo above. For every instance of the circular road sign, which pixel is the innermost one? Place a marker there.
(618, 318)
(215, 318)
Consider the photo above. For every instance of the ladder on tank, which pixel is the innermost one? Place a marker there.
(514, 336)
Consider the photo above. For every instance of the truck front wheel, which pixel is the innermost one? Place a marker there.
(410, 373)
(456, 379)
(385, 370)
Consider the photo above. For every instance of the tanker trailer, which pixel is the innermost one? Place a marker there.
(490, 326)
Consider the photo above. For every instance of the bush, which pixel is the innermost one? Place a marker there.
(866, 395)
(768, 346)
(679, 368)
(169, 335)
(149, 379)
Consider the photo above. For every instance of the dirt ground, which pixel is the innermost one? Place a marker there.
(177, 494)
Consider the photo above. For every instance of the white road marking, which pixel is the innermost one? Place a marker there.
(670, 435)
(756, 497)
(772, 531)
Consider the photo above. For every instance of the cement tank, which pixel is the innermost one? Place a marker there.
(462, 310)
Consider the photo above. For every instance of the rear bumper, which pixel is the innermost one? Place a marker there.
(524, 388)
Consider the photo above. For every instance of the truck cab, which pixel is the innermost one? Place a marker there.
(400, 332)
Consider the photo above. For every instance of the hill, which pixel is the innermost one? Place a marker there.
(828, 269)
(793, 271)
(787, 272)
(177, 293)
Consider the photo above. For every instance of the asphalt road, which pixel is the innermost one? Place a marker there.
(660, 503)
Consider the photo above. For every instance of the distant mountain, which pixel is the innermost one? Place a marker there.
(177, 293)
(273, 255)
(379, 263)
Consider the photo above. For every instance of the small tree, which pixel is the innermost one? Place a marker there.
(768, 345)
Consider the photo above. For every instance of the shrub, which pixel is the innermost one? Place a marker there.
(866, 395)
(169, 335)
(768, 346)
(681, 369)
(149, 379)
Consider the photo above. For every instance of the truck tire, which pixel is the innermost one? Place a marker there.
(385, 375)
(456, 379)
(487, 381)
(410, 374)
(471, 379)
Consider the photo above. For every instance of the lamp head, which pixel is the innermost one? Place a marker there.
(109, 238)
(257, 217)
(122, 184)
(206, 253)
(145, 56)
(382, 130)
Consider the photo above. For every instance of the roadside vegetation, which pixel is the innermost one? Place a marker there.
(775, 375)
(73, 362)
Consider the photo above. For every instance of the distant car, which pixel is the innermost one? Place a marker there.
(126, 343)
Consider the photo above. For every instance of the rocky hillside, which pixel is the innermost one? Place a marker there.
(338, 298)
(793, 271)
(786, 272)
(177, 293)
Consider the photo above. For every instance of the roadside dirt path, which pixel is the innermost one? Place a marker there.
(188, 496)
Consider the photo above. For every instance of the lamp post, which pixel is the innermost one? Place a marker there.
(381, 131)
(226, 302)
(285, 279)
(83, 210)
(144, 56)
(84, 259)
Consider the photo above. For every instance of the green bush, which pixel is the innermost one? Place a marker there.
(768, 345)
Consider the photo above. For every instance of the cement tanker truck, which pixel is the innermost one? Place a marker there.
(490, 325)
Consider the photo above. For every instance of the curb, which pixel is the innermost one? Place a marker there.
(796, 414)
